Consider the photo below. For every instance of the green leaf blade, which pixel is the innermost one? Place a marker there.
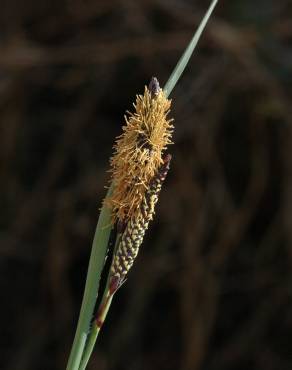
(96, 263)
(184, 59)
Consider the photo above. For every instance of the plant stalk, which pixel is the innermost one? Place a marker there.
(96, 263)
(96, 326)
(100, 317)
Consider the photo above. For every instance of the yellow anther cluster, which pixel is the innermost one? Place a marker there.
(138, 153)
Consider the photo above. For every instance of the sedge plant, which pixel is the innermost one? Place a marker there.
(139, 166)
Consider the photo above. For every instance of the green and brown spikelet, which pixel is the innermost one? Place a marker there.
(136, 227)
(138, 152)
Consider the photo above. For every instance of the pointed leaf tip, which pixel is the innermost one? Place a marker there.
(184, 59)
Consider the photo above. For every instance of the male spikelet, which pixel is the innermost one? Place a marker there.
(138, 151)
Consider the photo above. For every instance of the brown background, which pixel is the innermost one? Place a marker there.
(211, 288)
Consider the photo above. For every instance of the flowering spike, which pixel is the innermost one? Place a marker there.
(138, 152)
(133, 235)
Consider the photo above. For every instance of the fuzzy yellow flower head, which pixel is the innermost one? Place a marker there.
(139, 150)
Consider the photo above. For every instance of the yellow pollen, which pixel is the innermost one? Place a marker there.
(138, 153)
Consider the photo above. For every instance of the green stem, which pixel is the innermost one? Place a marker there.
(95, 329)
(96, 263)
(94, 332)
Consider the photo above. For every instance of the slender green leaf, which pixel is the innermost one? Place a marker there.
(94, 329)
(184, 59)
(96, 263)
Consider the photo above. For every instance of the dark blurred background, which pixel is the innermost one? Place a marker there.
(211, 289)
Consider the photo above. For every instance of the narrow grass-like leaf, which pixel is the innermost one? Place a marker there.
(94, 328)
(184, 59)
(96, 263)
